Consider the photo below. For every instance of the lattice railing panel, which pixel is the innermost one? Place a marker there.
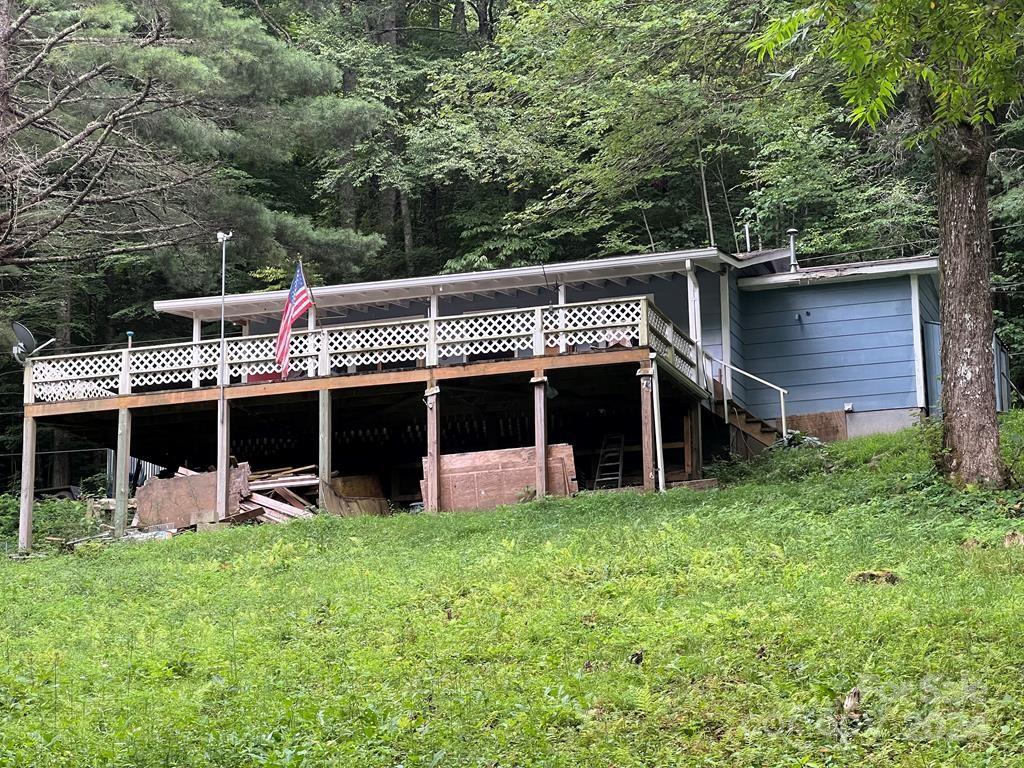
(671, 345)
(376, 344)
(151, 366)
(485, 334)
(76, 377)
(611, 323)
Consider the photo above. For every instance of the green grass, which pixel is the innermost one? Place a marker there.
(504, 638)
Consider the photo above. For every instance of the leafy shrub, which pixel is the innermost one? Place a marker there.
(52, 519)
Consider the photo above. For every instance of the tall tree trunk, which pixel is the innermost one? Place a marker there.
(970, 435)
(5, 31)
(60, 472)
(484, 21)
(403, 202)
(459, 17)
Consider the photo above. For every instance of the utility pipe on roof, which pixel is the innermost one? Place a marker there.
(794, 265)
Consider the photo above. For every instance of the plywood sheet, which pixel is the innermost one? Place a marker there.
(188, 500)
(828, 426)
(486, 479)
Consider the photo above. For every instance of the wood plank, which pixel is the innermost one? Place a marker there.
(300, 481)
(290, 497)
(273, 505)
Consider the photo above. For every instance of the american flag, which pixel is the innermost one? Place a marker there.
(299, 300)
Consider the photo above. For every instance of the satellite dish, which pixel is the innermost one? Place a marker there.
(27, 343)
(26, 339)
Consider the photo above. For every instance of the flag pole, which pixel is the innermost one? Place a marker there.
(223, 449)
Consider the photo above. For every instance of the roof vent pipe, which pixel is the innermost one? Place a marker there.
(793, 264)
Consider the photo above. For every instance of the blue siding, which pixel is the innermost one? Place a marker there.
(669, 295)
(830, 345)
(710, 313)
(929, 298)
(739, 382)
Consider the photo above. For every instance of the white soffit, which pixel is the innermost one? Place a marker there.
(386, 292)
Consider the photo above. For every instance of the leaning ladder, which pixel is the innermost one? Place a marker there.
(609, 462)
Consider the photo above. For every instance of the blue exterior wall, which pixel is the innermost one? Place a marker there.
(853, 343)
(710, 313)
(669, 295)
(738, 350)
(929, 292)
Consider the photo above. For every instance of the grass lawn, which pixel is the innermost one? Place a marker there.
(514, 637)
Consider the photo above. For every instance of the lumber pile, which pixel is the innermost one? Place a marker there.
(188, 500)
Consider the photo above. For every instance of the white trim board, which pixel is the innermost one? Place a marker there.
(915, 310)
(842, 273)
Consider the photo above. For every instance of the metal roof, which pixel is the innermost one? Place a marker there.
(385, 292)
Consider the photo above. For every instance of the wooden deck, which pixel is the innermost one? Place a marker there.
(343, 356)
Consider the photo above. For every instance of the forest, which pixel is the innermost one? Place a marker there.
(389, 138)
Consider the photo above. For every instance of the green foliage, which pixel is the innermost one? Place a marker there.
(965, 57)
(511, 637)
(52, 519)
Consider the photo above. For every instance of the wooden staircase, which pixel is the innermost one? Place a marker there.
(762, 432)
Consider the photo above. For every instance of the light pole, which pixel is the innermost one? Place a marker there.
(223, 443)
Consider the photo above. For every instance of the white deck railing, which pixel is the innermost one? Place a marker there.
(340, 349)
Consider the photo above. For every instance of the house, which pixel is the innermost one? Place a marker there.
(636, 363)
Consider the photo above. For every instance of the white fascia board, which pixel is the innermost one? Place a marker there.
(352, 294)
(841, 273)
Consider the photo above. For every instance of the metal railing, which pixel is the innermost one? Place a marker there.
(727, 388)
(340, 349)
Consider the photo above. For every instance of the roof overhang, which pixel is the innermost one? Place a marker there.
(388, 292)
(867, 270)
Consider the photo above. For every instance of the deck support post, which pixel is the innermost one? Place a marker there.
(659, 443)
(122, 473)
(223, 459)
(326, 438)
(432, 502)
(540, 430)
(696, 442)
(28, 483)
(688, 444)
(647, 425)
(197, 336)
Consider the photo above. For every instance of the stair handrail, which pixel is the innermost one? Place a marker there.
(726, 389)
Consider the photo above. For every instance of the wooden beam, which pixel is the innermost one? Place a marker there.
(698, 442)
(432, 502)
(647, 425)
(594, 358)
(28, 483)
(197, 336)
(540, 432)
(122, 465)
(688, 444)
(326, 440)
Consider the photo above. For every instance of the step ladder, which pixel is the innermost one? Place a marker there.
(609, 462)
